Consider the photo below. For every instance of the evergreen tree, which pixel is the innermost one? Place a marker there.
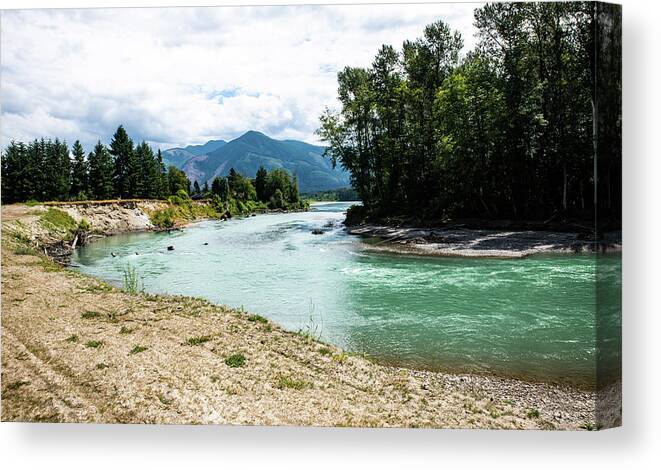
(163, 185)
(79, 173)
(101, 171)
(196, 187)
(205, 189)
(150, 171)
(260, 184)
(125, 177)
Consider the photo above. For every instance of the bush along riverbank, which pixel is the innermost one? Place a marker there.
(75, 349)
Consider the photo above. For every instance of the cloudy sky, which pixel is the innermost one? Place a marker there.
(178, 76)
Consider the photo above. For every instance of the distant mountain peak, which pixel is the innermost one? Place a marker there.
(254, 149)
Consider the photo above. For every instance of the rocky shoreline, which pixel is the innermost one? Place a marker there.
(474, 243)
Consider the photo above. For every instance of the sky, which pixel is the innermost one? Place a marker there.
(179, 76)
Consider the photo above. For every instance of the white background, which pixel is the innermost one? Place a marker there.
(635, 445)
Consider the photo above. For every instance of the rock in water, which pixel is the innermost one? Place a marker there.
(317, 231)
(170, 248)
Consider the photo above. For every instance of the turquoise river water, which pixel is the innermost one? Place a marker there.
(531, 318)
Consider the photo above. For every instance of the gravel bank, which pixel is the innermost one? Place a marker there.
(478, 243)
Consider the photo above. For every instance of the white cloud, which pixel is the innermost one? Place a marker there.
(175, 76)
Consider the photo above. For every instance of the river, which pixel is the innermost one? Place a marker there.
(532, 318)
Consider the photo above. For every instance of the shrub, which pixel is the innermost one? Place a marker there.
(355, 215)
(84, 225)
(94, 344)
(164, 218)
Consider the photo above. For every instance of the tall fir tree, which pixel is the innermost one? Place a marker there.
(124, 177)
(79, 173)
(101, 170)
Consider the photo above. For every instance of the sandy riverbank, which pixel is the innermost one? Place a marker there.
(77, 350)
(479, 243)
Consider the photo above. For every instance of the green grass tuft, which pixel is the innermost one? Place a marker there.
(325, 351)
(137, 349)
(197, 340)
(90, 314)
(236, 360)
(533, 413)
(288, 382)
(72, 339)
(124, 330)
(94, 344)
(258, 319)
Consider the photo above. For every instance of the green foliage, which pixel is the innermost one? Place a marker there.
(164, 218)
(72, 339)
(177, 180)
(79, 172)
(90, 314)
(504, 132)
(342, 194)
(197, 340)
(257, 318)
(289, 382)
(101, 169)
(58, 220)
(84, 225)
(137, 350)
(533, 413)
(132, 283)
(93, 344)
(235, 360)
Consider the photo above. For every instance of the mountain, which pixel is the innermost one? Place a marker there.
(178, 156)
(254, 149)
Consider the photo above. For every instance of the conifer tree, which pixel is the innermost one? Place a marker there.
(79, 173)
(101, 170)
(125, 175)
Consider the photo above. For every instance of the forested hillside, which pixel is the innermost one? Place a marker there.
(508, 130)
(46, 170)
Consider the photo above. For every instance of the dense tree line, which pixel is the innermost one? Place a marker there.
(506, 131)
(46, 170)
(275, 189)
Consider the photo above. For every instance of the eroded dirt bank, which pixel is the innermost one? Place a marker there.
(77, 350)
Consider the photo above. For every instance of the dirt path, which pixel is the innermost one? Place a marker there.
(76, 350)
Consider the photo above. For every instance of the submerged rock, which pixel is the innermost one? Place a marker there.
(317, 231)
(170, 248)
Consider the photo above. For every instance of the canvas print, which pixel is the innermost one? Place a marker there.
(403, 215)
